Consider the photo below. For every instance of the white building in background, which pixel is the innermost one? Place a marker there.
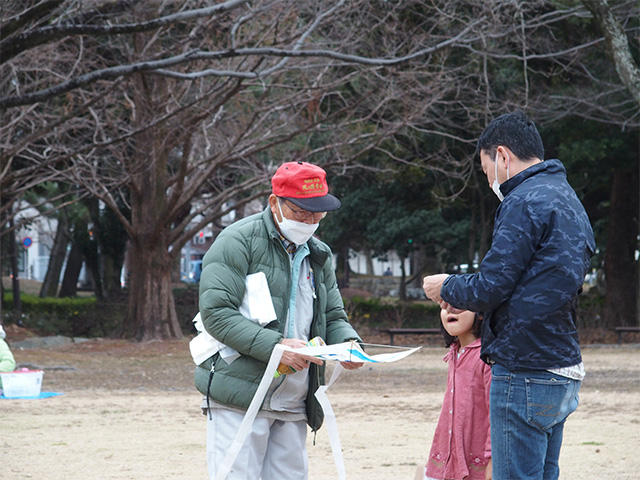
(34, 244)
(358, 264)
(36, 240)
(193, 252)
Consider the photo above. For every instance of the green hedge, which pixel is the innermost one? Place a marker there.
(377, 312)
(74, 317)
(88, 318)
(85, 317)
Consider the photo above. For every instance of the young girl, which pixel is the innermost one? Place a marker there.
(461, 446)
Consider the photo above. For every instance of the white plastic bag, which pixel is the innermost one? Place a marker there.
(256, 305)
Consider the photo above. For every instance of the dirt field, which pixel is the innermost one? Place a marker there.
(129, 411)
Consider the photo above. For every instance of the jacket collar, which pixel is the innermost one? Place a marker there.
(455, 347)
(552, 166)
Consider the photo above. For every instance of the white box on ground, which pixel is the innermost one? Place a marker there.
(22, 383)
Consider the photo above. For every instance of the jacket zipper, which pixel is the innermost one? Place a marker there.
(213, 368)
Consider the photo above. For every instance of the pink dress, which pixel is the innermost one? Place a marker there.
(461, 446)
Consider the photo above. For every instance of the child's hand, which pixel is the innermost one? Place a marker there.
(488, 473)
(351, 365)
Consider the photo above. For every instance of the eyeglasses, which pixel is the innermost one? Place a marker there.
(304, 215)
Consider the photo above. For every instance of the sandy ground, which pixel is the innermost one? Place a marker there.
(129, 411)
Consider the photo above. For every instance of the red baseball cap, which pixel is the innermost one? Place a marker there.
(304, 185)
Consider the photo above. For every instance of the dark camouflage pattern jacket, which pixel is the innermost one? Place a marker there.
(528, 283)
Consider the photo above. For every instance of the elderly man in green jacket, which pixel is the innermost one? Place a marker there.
(278, 242)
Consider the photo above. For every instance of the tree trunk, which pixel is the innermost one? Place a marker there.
(345, 268)
(617, 45)
(69, 287)
(403, 279)
(111, 270)
(151, 313)
(487, 215)
(482, 218)
(416, 279)
(56, 260)
(93, 267)
(620, 264)
(15, 281)
(111, 243)
(471, 251)
(369, 261)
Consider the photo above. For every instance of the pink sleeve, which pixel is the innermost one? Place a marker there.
(487, 391)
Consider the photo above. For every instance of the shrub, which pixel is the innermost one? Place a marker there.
(186, 300)
(65, 316)
(376, 312)
(590, 310)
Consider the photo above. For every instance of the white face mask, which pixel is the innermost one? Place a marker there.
(495, 186)
(296, 232)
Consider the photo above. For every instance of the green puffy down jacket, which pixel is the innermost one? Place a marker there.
(248, 246)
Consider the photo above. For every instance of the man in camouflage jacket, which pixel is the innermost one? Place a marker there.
(527, 288)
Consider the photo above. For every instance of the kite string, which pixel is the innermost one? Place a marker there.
(398, 347)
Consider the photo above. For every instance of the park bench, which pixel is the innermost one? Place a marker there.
(410, 331)
(621, 330)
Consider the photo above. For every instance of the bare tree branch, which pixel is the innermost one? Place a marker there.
(13, 46)
(159, 66)
(182, 110)
(617, 45)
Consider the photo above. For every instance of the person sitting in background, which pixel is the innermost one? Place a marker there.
(7, 362)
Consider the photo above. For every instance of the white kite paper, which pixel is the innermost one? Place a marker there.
(344, 352)
(352, 352)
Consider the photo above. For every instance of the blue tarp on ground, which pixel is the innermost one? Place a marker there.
(42, 395)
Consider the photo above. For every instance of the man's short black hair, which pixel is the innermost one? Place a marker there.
(515, 131)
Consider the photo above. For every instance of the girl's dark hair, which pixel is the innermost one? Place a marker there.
(477, 331)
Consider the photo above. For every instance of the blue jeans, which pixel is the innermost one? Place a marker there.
(528, 411)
